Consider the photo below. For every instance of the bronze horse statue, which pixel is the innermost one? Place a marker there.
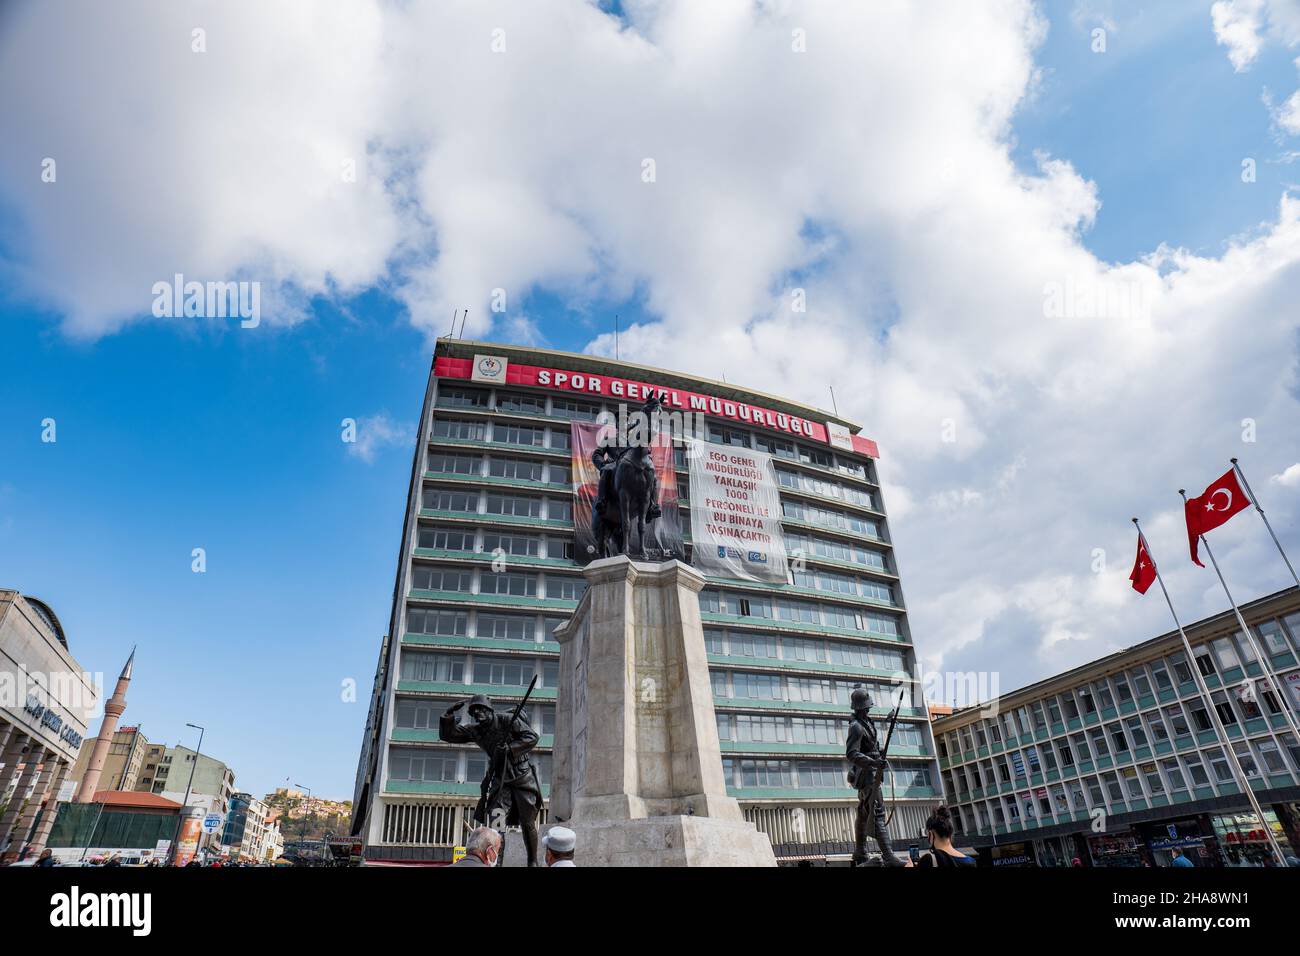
(627, 494)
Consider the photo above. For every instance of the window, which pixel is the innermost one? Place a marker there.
(516, 584)
(518, 505)
(502, 671)
(435, 765)
(560, 438)
(516, 468)
(582, 411)
(454, 464)
(426, 577)
(521, 545)
(757, 686)
(503, 433)
(508, 627)
(417, 714)
(1177, 722)
(559, 509)
(430, 621)
(462, 398)
(1196, 770)
(1225, 654)
(559, 548)
(1174, 774)
(445, 539)
(448, 668)
(440, 499)
(457, 430)
(558, 474)
(565, 588)
(521, 404)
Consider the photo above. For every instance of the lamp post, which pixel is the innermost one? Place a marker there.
(171, 851)
(309, 803)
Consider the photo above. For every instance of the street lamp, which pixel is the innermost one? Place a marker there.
(171, 852)
(309, 804)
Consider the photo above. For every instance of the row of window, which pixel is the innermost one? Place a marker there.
(472, 502)
(436, 577)
(449, 765)
(779, 729)
(1162, 674)
(811, 774)
(837, 583)
(811, 484)
(495, 543)
(513, 627)
(519, 403)
(736, 604)
(1117, 739)
(413, 713)
(830, 518)
(814, 650)
(501, 433)
(479, 669)
(741, 685)
(799, 544)
(1211, 768)
(496, 466)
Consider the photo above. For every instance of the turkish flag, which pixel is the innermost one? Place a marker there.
(1144, 569)
(1212, 507)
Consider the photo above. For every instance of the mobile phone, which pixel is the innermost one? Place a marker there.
(913, 853)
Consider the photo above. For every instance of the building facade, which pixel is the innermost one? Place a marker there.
(487, 569)
(46, 704)
(1118, 762)
(123, 763)
(247, 832)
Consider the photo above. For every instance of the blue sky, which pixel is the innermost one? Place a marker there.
(191, 433)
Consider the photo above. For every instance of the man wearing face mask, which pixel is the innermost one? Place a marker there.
(482, 848)
(510, 794)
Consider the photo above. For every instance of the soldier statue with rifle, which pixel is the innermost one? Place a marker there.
(510, 794)
(868, 765)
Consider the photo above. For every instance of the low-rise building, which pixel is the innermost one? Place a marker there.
(1118, 762)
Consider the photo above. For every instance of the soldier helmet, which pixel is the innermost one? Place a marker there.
(860, 699)
(480, 700)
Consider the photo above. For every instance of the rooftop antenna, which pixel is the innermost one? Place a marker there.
(616, 337)
(454, 315)
(463, 317)
(833, 405)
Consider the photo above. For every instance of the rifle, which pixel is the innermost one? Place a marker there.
(884, 752)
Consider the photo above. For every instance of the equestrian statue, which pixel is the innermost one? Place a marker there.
(627, 492)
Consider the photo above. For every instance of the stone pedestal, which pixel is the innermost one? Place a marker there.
(637, 768)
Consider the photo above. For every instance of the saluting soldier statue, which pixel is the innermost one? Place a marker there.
(867, 768)
(510, 794)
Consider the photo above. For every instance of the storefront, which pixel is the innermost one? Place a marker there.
(1123, 848)
(1191, 835)
(1010, 854)
(1243, 842)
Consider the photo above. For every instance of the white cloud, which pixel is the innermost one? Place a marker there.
(1290, 478)
(874, 171)
(1239, 25)
(377, 432)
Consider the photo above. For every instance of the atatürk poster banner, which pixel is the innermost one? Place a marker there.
(736, 514)
(663, 536)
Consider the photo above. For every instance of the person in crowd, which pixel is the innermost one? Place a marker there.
(938, 830)
(482, 848)
(46, 859)
(1179, 859)
(560, 843)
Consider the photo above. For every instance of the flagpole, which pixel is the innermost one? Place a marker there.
(1204, 690)
(1265, 666)
(1255, 501)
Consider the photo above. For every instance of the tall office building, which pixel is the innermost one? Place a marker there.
(490, 562)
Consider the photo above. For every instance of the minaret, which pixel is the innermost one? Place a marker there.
(112, 711)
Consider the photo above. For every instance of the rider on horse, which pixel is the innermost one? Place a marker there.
(606, 458)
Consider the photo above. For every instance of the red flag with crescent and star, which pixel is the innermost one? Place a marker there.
(1212, 507)
(1144, 569)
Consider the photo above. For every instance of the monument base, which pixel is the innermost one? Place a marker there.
(672, 841)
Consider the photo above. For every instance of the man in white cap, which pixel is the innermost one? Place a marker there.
(559, 843)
